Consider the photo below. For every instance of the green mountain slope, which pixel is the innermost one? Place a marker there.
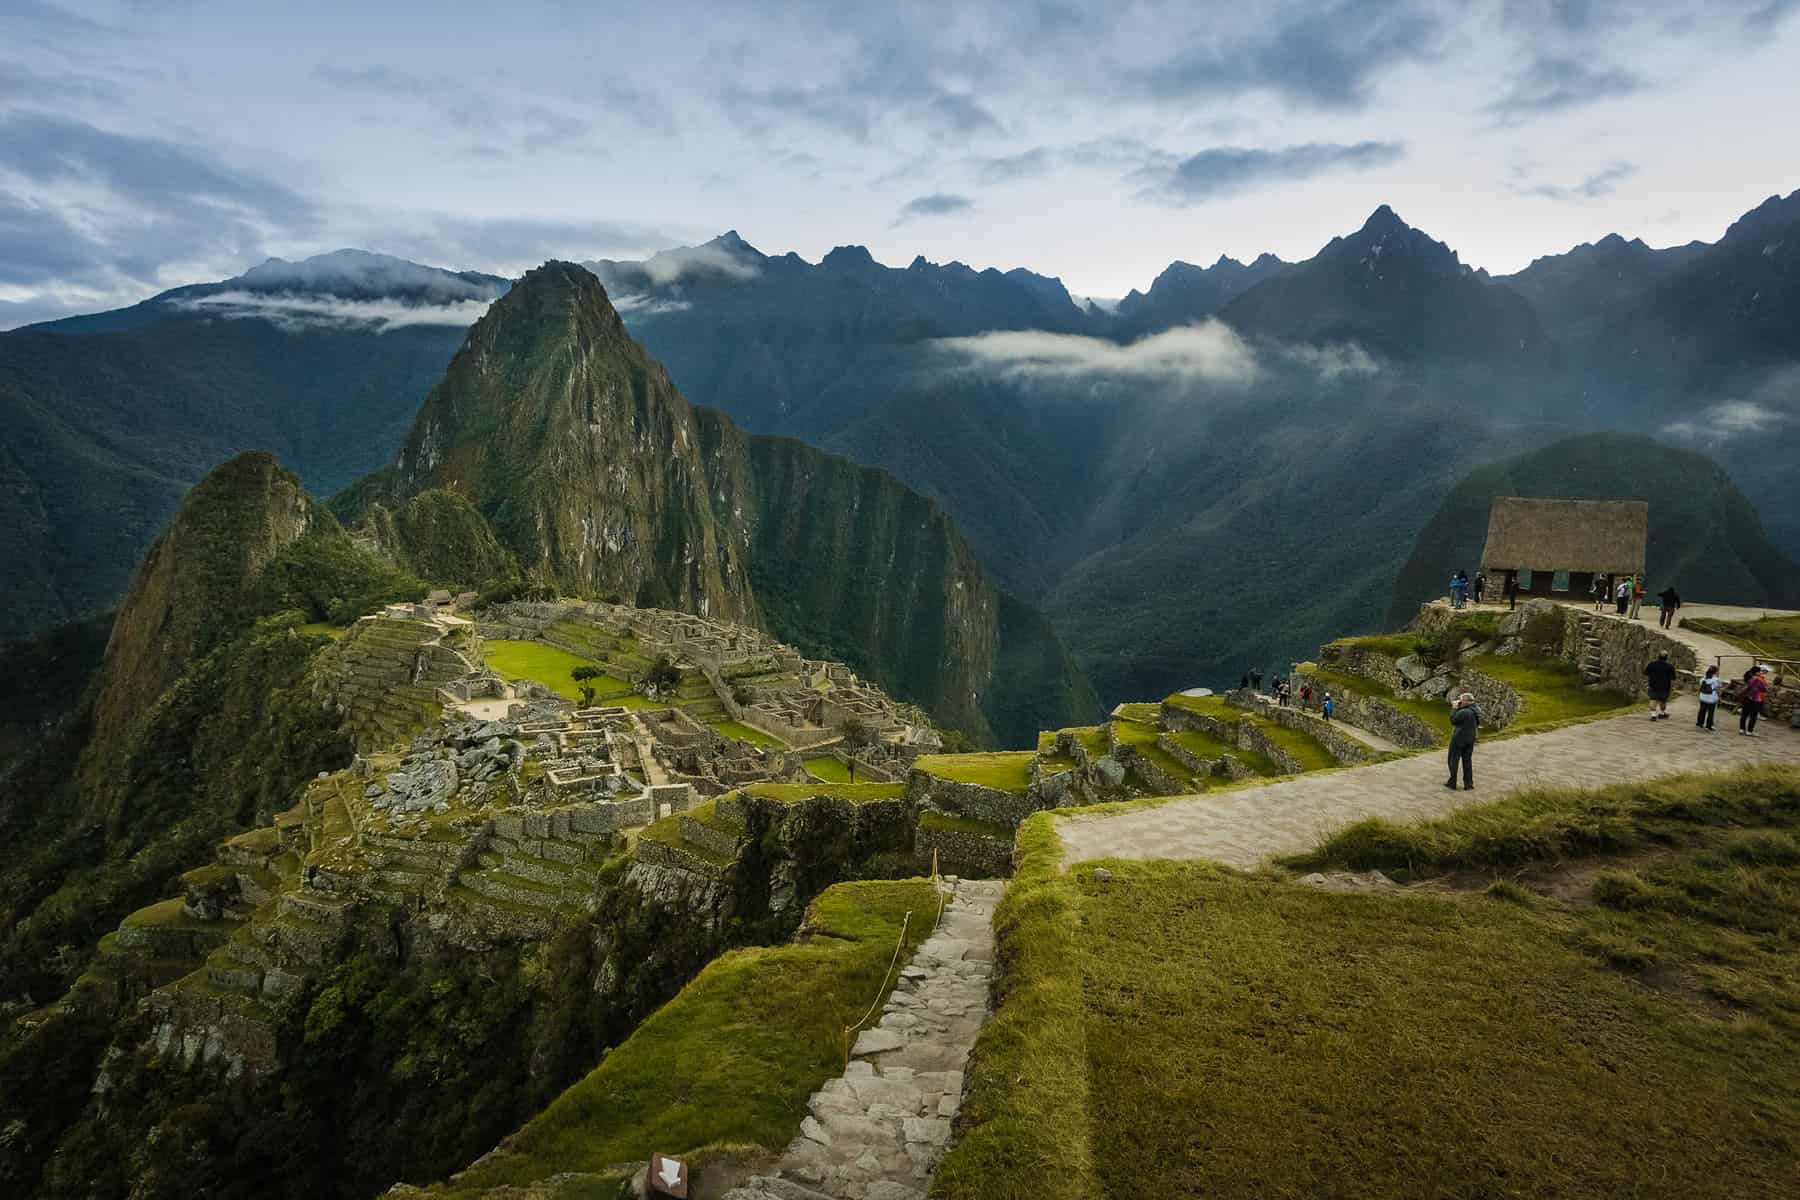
(1705, 537)
(596, 473)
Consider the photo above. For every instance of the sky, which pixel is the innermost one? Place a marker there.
(146, 144)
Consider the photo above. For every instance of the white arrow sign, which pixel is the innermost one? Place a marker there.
(670, 1172)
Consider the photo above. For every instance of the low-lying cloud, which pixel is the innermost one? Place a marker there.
(938, 204)
(1208, 352)
(1730, 419)
(1211, 351)
(295, 312)
(640, 304)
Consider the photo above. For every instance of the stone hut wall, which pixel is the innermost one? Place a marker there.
(964, 852)
(990, 805)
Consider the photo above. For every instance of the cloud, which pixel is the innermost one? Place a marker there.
(1322, 57)
(1006, 168)
(938, 204)
(640, 305)
(1735, 418)
(669, 266)
(1332, 362)
(296, 312)
(507, 245)
(1553, 84)
(1211, 352)
(1601, 183)
(1224, 170)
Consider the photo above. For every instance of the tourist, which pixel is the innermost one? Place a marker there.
(1622, 595)
(1306, 697)
(1464, 718)
(1325, 705)
(1659, 677)
(1244, 682)
(1480, 585)
(1256, 680)
(1511, 588)
(1751, 706)
(1598, 590)
(1709, 700)
(1749, 674)
(1637, 595)
(1281, 693)
(1671, 600)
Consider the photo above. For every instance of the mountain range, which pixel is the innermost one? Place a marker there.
(1217, 472)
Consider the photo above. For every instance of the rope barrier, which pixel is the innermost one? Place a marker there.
(882, 994)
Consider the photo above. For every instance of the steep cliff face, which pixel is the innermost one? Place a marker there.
(579, 452)
(203, 568)
(601, 478)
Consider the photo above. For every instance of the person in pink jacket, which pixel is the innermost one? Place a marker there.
(1755, 693)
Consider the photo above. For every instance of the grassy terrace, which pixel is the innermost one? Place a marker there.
(544, 664)
(1552, 690)
(744, 733)
(1091, 737)
(1306, 749)
(1776, 637)
(1206, 746)
(1593, 994)
(1435, 713)
(1142, 737)
(856, 793)
(826, 769)
(732, 1059)
(1009, 771)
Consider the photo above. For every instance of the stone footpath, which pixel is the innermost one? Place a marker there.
(877, 1131)
(1242, 828)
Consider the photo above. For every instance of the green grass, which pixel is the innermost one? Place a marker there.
(1640, 1039)
(938, 820)
(1091, 737)
(827, 769)
(167, 914)
(1394, 645)
(856, 793)
(1142, 737)
(1552, 690)
(1776, 637)
(544, 664)
(1009, 771)
(733, 1058)
(1305, 749)
(325, 629)
(1204, 745)
(744, 733)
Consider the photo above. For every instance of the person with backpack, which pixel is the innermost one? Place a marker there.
(1622, 595)
(1465, 718)
(1659, 680)
(1306, 697)
(1756, 692)
(1325, 706)
(1480, 585)
(1709, 700)
(1637, 595)
(1598, 590)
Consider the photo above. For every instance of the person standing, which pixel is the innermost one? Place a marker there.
(1598, 590)
(1622, 595)
(1659, 678)
(1256, 680)
(1750, 708)
(1480, 585)
(1637, 595)
(1325, 706)
(1671, 601)
(1709, 700)
(1306, 697)
(1464, 719)
(1511, 588)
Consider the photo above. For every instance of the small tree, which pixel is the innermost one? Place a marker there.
(857, 733)
(581, 675)
(663, 675)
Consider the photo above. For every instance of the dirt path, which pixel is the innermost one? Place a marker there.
(1243, 827)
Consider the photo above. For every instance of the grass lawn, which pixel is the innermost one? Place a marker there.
(546, 665)
(826, 769)
(1435, 713)
(1009, 771)
(1143, 737)
(325, 629)
(744, 733)
(733, 1058)
(1204, 745)
(1092, 737)
(1552, 690)
(1307, 750)
(1601, 997)
(1776, 637)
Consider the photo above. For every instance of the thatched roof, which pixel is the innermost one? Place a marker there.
(1566, 535)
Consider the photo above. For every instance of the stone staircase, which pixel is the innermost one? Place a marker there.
(1590, 649)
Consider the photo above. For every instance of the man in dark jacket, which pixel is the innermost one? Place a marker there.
(1659, 679)
(1464, 717)
(1671, 601)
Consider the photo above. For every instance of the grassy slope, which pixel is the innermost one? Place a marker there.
(734, 1056)
(1639, 1038)
(1307, 751)
(1777, 637)
(744, 733)
(1552, 690)
(1009, 771)
(543, 664)
(827, 770)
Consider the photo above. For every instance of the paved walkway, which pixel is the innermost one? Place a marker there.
(877, 1131)
(1243, 827)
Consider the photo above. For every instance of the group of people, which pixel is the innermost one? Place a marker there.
(1463, 589)
(1283, 693)
(1626, 592)
(1659, 677)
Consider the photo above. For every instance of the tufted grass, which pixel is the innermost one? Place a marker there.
(826, 769)
(1775, 637)
(733, 1058)
(1552, 690)
(1187, 1030)
(544, 664)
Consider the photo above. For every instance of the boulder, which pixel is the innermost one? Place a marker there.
(1413, 670)
(1434, 687)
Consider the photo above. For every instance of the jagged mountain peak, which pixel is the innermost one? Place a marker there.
(848, 257)
(731, 241)
(1773, 215)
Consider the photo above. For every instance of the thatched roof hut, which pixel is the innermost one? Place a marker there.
(1591, 537)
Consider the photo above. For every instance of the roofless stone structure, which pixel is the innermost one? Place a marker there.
(1556, 547)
